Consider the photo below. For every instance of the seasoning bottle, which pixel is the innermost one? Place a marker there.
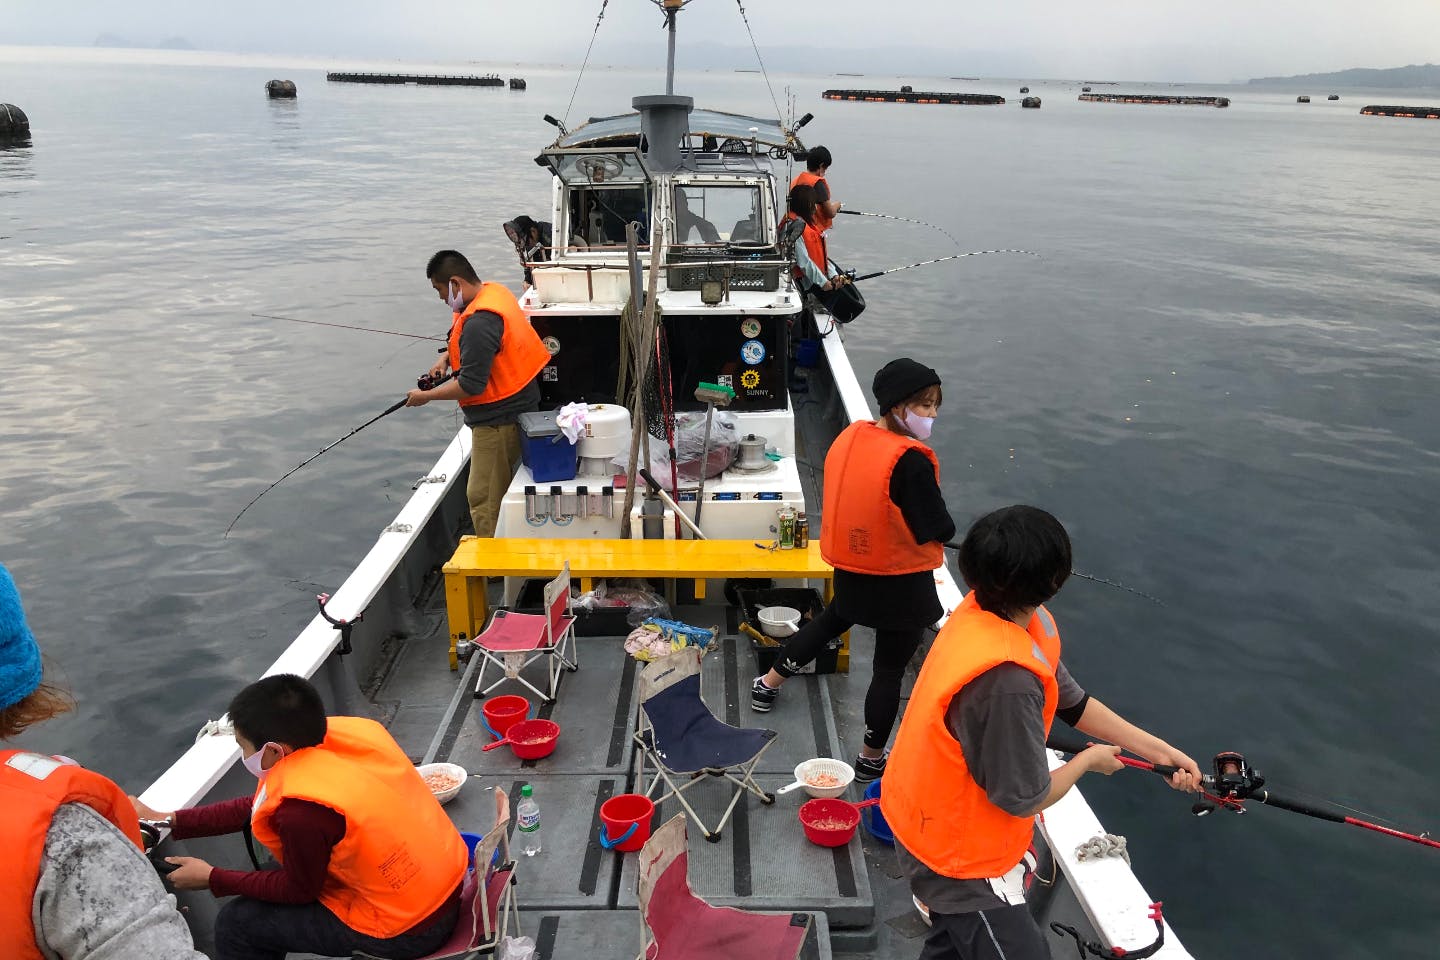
(802, 531)
(787, 528)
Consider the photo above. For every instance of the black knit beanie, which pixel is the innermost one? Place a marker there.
(901, 379)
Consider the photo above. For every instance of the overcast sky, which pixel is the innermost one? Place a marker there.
(1214, 40)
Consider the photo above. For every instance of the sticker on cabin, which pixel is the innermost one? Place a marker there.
(550, 374)
(750, 328)
(753, 353)
(552, 346)
(750, 379)
(726, 380)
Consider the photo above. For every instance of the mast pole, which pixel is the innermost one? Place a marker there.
(672, 7)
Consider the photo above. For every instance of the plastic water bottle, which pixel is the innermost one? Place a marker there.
(528, 815)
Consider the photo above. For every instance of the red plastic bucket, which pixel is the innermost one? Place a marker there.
(625, 822)
(503, 712)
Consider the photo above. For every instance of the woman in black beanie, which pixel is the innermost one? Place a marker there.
(882, 528)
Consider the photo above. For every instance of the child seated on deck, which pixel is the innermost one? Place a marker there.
(368, 859)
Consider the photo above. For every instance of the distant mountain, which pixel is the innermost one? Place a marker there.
(169, 43)
(1415, 75)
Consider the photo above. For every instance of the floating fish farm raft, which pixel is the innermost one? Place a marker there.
(1424, 113)
(1155, 98)
(914, 96)
(423, 79)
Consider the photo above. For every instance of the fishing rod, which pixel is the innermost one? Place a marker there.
(891, 216)
(346, 326)
(426, 382)
(1235, 781)
(926, 263)
(1085, 576)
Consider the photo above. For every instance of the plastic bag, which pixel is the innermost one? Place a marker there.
(634, 594)
(517, 948)
(690, 446)
(656, 638)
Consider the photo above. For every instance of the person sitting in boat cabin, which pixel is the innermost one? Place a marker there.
(496, 357)
(368, 859)
(690, 227)
(77, 883)
(817, 164)
(813, 269)
(969, 770)
(882, 530)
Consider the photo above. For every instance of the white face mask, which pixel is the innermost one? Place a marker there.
(918, 426)
(252, 762)
(456, 300)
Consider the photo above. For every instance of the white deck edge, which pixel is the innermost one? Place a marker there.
(1108, 890)
(200, 768)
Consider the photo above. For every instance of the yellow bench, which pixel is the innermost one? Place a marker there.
(480, 557)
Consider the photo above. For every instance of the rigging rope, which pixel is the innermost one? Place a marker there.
(566, 117)
(763, 72)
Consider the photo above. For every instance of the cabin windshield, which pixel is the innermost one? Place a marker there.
(706, 213)
(598, 214)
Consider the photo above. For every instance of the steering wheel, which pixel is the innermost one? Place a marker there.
(599, 169)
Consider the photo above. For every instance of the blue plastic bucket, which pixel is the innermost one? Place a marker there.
(807, 353)
(472, 840)
(874, 820)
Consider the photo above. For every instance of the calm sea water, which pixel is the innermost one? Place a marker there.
(1220, 375)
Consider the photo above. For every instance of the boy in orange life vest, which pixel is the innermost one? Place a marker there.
(817, 164)
(368, 859)
(76, 882)
(496, 356)
(882, 529)
(969, 770)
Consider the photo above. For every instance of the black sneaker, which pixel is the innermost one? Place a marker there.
(869, 768)
(762, 698)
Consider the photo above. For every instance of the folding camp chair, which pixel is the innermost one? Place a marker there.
(679, 734)
(677, 925)
(513, 641)
(487, 898)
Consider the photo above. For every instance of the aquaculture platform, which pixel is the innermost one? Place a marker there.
(1164, 98)
(906, 95)
(422, 79)
(1424, 113)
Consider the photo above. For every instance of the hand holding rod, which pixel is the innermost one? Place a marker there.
(1068, 740)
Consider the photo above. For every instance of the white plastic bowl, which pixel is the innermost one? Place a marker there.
(445, 796)
(836, 768)
(779, 622)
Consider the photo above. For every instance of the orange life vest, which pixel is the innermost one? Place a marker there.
(31, 788)
(521, 355)
(400, 857)
(823, 221)
(861, 528)
(931, 801)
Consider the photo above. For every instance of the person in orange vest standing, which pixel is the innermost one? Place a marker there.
(77, 884)
(883, 529)
(368, 859)
(496, 356)
(817, 164)
(969, 770)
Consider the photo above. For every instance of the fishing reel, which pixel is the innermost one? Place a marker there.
(1233, 781)
(426, 382)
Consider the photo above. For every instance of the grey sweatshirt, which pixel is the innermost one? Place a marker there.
(98, 897)
(479, 342)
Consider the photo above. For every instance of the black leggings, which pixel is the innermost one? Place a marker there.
(893, 650)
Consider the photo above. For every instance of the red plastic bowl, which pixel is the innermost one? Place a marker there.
(533, 739)
(829, 823)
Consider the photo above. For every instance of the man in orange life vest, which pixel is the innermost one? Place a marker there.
(969, 770)
(496, 356)
(368, 859)
(817, 164)
(77, 885)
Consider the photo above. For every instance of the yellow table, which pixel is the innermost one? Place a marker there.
(480, 557)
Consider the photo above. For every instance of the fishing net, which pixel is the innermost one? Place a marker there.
(658, 391)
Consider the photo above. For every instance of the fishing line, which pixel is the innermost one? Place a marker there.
(926, 263)
(346, 326)
(1085, 576)
(329, 446)
(760, 60)
(603, 5)
(891, 216)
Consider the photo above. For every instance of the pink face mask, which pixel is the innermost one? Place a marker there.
(456, 300)
(918, 426)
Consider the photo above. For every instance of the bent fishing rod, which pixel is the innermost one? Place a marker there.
(346, 326)
(1085, 576)
(926, 263)
(891, 216)
(1235, 781)
(426, 382)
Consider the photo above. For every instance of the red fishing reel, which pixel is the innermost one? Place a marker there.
(1233, 782)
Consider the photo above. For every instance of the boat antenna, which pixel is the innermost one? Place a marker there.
(325, 449)
(584, 63)
(759, 59)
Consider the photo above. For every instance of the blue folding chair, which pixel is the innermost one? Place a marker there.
(685, 742)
